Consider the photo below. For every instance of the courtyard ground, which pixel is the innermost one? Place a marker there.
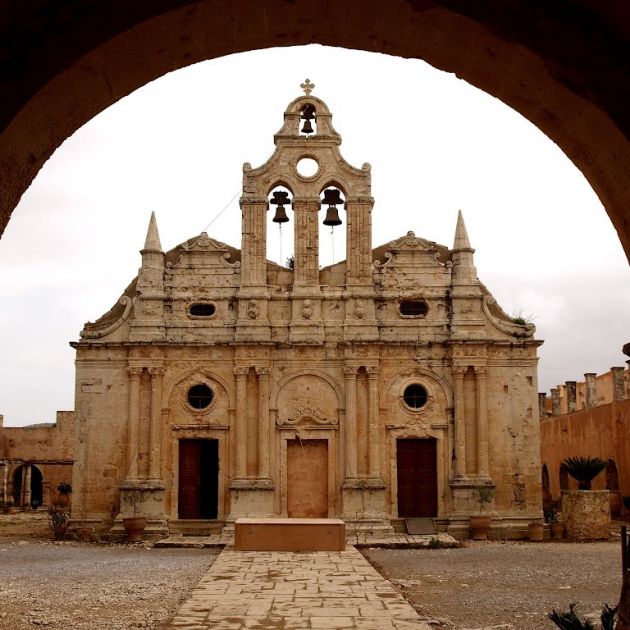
(71, 585)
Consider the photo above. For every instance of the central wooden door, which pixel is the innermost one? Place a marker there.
(307, 478)
(198, 479)
(417, 478)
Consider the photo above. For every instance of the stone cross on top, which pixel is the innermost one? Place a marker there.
(307, 86)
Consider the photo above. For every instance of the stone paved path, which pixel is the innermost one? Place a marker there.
(284, 590)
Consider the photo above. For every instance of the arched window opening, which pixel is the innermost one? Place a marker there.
(309, 117)
(280, 227)
(564, 478)
(332, 242)
(612, 476)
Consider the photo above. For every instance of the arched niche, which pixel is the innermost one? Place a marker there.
(557, 66)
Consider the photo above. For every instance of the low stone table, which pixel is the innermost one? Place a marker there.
(289, 534)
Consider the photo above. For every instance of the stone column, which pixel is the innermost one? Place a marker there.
(359, 240)
(351, 422)
(555, 401)
(460, 423)
(542, 405)
(374, 469)
(483, 470)
(133, 421)
(155, 446)
(253, 242)
(5, 481)
(27, 475)
(591, 390)
(241, 421)
(306, 271)
(617, 383)
(263, 422)
(571, 399)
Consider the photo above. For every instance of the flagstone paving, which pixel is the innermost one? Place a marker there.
(285, 590)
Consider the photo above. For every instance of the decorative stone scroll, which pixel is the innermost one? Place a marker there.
(307, 414)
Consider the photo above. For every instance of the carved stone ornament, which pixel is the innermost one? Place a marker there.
(307, 309)
(305, 415)
(252, 309)
(359, 310)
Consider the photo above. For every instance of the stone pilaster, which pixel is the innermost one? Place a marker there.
(617, 383)
(350, 373)
(253, 242)
(133, 421)
(542, 405)
(570, 387)
(591, 391)
(460, 424)
(555, 401)
(263, 422)
(306, 270)
(481, 374)
(155, 428)
(374, 468)
(241, 422)
(359, 240)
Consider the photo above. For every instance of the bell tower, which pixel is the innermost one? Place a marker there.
(307, 138)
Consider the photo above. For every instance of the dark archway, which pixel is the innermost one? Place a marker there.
(547, 500)
(32, 496)
(561, 65)
(564, 478)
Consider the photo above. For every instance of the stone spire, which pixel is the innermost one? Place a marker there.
(152, 242)
(464, 271)
(461, 235)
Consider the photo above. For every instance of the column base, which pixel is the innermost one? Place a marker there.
(251, 497)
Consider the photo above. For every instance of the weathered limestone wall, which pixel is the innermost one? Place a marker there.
(48, 447)
(602, 432)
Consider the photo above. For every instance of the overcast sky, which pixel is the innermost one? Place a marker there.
(544, 246)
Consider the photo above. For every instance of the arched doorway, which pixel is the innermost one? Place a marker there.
(527, 57)
(28, 486)
(612, 485)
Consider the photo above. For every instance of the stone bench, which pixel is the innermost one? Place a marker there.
(289, 534)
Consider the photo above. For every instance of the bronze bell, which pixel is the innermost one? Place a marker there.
(308, 114)
(332, 217)
(279, 198)
(332, 198)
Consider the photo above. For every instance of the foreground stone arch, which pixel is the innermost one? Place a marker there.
(560, 66)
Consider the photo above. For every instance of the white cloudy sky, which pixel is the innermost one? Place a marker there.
(544, 245)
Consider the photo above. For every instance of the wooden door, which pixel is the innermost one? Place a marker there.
(198, 479)
(307, 478)
(417, 478)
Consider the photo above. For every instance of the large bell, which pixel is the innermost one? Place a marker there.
(308, 114)
(332, 217)
(279, 198)
(332, 198)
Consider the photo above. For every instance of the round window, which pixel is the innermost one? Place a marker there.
(415, 396)
(200, 396)
(307, 167)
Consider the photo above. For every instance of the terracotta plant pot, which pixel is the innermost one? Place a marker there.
(557, 530)
(535, 532)
(479, 527)
(134, 527)
(63, 500)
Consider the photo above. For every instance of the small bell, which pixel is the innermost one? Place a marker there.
(332, 198)
(279, 198)
(308, 114)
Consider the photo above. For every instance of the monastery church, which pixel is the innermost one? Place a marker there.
(387, 386)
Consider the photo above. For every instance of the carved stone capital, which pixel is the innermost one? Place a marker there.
(459, 371)
(157, 372)
(373, 371)
(241, 371)
(481, 371)
(350, 370)
(134, 371)
(263, 371)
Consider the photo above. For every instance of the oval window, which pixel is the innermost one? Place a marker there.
(200, 396)
(415, 396)
(414, 308)
(202, 309)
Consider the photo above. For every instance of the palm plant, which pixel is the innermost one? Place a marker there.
(570, 621)
(583, 469)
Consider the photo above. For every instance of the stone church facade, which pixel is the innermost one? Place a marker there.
(390, 385)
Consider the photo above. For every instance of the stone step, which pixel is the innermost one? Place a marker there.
(195, 527)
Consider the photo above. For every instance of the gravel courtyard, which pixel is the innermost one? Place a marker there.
(81, 586)
(496, 583)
